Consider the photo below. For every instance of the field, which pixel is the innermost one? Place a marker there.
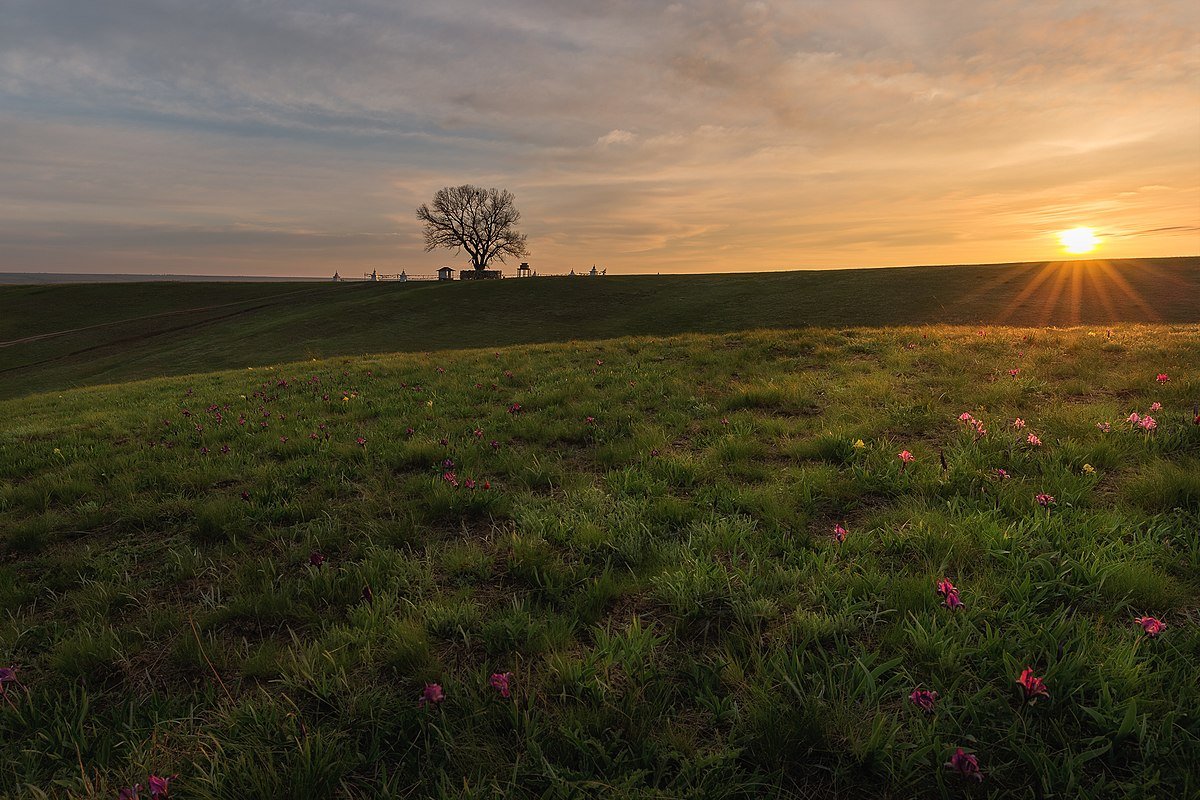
(58, 336)
(702, 565)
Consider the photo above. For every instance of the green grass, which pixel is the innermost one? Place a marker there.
(131, 331)
(661, 581)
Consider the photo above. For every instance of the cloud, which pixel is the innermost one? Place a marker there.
(715, 134)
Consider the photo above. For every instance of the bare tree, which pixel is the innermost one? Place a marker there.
(480, 221)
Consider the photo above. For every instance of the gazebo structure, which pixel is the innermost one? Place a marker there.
(446, 274)
(524, 271)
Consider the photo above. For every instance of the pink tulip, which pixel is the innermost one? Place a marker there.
(965, 764)
(1033, 686)
(1151, 625)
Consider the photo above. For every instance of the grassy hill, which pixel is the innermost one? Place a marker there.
(120, 332)
(251, 578)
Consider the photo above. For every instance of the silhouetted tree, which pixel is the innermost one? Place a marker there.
(480, 221)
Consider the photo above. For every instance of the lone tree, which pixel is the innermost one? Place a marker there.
(480, 221)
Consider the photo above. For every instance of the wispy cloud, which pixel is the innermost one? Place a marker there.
(291, 136)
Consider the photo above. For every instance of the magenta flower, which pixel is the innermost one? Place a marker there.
(590, 420)
(1148, 423)
(1151, 625)
(1044, 500)
(316, 558)
(1033, 440)
(1162, 377)
(515, 408)
(469, 483)
(495, 445)
(1002, 474)
(361, 442)
(923, 699)
(478, 433)
(129, 793)
(965, 764)
(1033, 686)
(450, 478)
(839, 533)
(953, 602)
(410, 431)
(500, 682)
(965, 417)
(1134, 418)
(431, 695)
(945, 588)
(906, 457)
(159, 787)
(1012, 373)
(724, 420)
(1156, 406)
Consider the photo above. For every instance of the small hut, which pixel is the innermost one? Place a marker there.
(446, 274)
(524, 271)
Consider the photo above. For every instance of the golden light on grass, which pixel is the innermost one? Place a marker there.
(1078, 240)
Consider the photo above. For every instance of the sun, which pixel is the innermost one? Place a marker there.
(1078, 240)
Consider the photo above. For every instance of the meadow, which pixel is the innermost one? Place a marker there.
(906, 562)
(55, 337)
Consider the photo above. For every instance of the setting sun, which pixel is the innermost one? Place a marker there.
(1078, 240)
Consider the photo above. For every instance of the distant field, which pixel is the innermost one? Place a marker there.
(146, 330)
(250, 578)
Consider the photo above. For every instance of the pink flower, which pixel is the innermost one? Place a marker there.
(923, 699)
(1134, 418)
(469, 483)
(1033, 686)
(450, 478)
(478, 433)
(906, 457)
(1148, 423)
(953, 602)
(129, 793)
(1002, 474)
(515, 408)
(1156, 406)
(839, 533)
(965, 764)
(159, 787)
(1104, 427)
(589, 420)
(724, 420)
(945, 588)
(431, 695)
(1162, 377)
(1012, 373)
(410, 431)
(500, 682)
(316, 558)
(1151, 625)
(1018, 423)
(965, 417)
(1044, 500)
(1033, 440)
(361, 441)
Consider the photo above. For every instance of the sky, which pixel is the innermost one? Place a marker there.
(297, 137)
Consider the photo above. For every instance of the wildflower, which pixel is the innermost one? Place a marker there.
(159, 787)
(1089, 469)
(129, 793)
(1196, 413)
(1134, 418)
(1033, 440)
(1162, 377)
(839, 533)
(906, 457)
(7, 675)
(500, 682)
(725, 420)
(203, 451)
(1018, 423)
(953, 601)
(590, 420)
(478, 432)
(1151, 625)
(469, 483)
(1104, 427)
(965, 764)
(448, 464)
(495, 445)
(654, 452)
(599, 362)
(1148, 423)
(945, 588)
(441, 370)
(1156, 406)
(515, 408)
(450, 478)
(409, 431)
(361, 442)
(859, 444)
(313, 435)
(316, 558)
(1044, 500)
(1002, 474)
(487, 484)
(965, 417)
(444, 442)
(1033, 686)
(508, 373)
(283, 439)
(923, 699)
(1012, 373)
(432, 695)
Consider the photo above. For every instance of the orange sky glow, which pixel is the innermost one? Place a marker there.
(297, 138)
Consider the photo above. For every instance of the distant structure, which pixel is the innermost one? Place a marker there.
(336, 277)
(524, 271)
(446, 274)
(403, 276)
(480, 275)
(374, 275)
